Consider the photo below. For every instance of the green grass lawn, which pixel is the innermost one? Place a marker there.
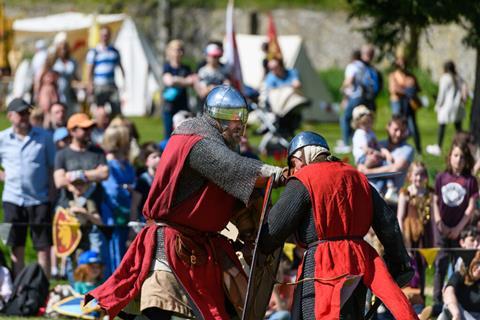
(151, 129)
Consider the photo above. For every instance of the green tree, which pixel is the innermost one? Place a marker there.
(469, 18)
(391, 22)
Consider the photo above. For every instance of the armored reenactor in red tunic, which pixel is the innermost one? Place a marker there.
(330, 207)
(179, 264)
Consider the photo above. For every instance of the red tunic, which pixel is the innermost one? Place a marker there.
(343, 208)
(208, 210)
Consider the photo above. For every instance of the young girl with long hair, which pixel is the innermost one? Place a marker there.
(414, 214)
(456, 191)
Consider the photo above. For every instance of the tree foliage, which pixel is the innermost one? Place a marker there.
(392, 22)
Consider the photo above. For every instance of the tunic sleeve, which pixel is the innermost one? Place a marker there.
(285, 216)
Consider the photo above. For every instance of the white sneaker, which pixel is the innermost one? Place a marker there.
(434, 150)
(391, 195)
(343, 149)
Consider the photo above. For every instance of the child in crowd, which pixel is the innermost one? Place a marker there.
(88, 274)
(78, 202)
(364, 139)
(37, 117)
(366, 150)
(117, 199)
(456, 192)
(150, 154)
(468, 240)
(468, 138)
(177, 119)
(414, 212)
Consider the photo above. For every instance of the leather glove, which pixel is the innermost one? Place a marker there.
(279, 174)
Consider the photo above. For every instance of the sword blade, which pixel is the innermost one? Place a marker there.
(383, 175)
(252, 299)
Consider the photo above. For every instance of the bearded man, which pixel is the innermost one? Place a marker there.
(180, 265)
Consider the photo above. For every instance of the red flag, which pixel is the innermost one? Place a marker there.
(232, 60)
(273, 46)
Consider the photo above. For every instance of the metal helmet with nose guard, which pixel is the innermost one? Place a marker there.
(225, 103)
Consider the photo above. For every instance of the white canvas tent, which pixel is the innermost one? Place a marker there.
(142, 70)
(295, 56)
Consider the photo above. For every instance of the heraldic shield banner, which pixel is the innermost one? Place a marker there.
(66, 232)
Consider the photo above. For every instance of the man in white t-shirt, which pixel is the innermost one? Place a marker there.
(353, 93)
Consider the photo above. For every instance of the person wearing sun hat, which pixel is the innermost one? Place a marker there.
(27, 156)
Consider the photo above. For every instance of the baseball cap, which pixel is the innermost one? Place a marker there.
(81, 120)
(213, 50)
(89, 257)
(60, 134)
(18, 105)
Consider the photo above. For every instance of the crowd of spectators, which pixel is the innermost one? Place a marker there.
(442, 216)
(55, 155)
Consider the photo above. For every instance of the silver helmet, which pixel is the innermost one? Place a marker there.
(226, 103)
(306, 138)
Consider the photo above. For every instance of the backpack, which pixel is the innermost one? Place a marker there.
(30, 292)
(371, 82)
(377, 80)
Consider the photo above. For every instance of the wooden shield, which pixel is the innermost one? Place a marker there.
(263, 271)
(66, 232)
(72, 307)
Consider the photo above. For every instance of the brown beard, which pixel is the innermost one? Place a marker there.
(230, 141)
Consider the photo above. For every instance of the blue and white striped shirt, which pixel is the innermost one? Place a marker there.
(104, 61)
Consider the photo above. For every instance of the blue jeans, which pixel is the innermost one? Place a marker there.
(114, 248)
(346, 119)
(168, 123)
(396, 107)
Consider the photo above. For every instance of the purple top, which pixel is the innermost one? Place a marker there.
(454, 193)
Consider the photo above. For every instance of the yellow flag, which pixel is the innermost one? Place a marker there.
(288, 249)
(3, 38)
(429, 254)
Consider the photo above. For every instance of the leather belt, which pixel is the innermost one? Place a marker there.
(339, 238)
